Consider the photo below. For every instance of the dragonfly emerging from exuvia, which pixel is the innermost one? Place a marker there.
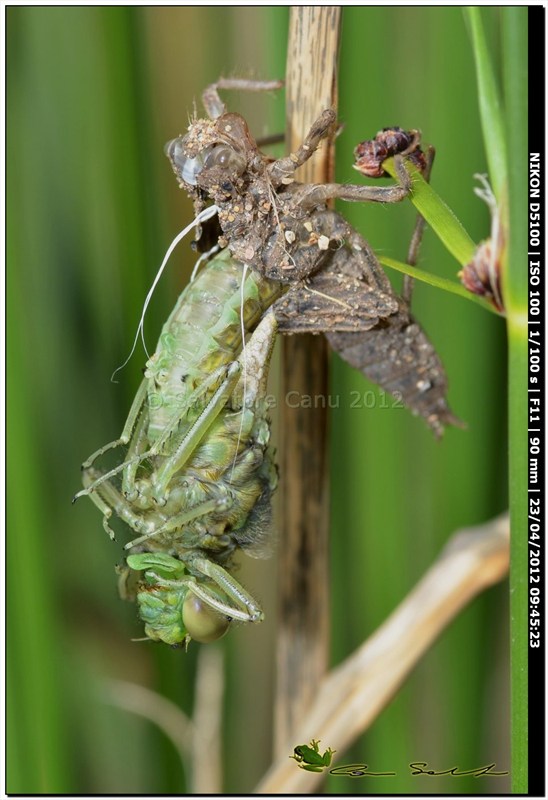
(198, 472)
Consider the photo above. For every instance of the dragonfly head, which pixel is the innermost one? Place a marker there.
(172, 613)
(213, 154)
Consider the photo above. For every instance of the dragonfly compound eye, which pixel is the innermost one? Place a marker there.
(218, 156)
(226, 158)
(202, 623)
(186, 168)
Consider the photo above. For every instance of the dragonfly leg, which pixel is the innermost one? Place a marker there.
(135, 413)
(416, 238)
(186, 446)
(310, 196)
(245, 608)
(134, 433)
(253, 364)
(213, 103)
(181, 519)
(281, 170)
(156, 448)
(109, 500)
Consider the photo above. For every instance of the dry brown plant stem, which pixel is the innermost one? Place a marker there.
(303, 640)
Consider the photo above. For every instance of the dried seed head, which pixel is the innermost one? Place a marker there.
(396, 140)
(481, 275)
(369, 157)
(389, 142)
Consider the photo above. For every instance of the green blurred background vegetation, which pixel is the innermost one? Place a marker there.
(93, 95)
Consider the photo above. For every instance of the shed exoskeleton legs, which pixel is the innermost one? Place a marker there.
(335, 282)
(282, 170)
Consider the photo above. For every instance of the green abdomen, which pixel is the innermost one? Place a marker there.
(203, 333)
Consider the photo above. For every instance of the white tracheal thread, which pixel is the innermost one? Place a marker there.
(244, 373)
(272, 197)
(203, 216)
(202, 258)
(327, 297)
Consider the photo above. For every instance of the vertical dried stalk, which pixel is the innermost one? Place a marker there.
(206, 747)
(304, 607)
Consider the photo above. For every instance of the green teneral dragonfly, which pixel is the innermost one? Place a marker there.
(195, 483)
(198, 472)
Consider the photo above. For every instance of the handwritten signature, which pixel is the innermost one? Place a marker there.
(488, 769)
(417, 768)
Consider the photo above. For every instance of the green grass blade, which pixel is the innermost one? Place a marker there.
(391, 505)
(514, 31)
(505, 132)
(438, 215)
(436, 281)
(514, 22)
(491, 114)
